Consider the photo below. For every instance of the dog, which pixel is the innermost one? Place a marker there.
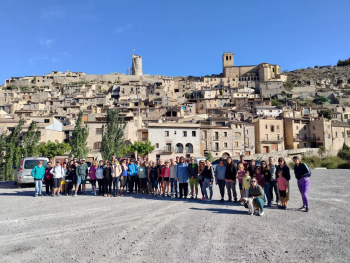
(249, 202)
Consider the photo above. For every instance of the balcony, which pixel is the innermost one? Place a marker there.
(305, 139)
(168, 150)
(272, 140)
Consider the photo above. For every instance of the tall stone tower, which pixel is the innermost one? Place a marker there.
(227, 61)
(136, 65)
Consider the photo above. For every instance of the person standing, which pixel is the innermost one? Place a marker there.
(220, 172)
(123, 177)
(132, 171)
(38, 173)
(82, 173)
(173, 181)
(107, 179)
(137, 177)
(208, 175)
(58, 174)
(153, 178)
(273, 180)
(267, 175)
(302, 174)
(201, 167)
(116, 171)
(286, 174)
(141, 171)
(160, 175)
(245, 164)
(69, 179)
(99, 177)
(182, 177)
(230, 180)
(166, 174)
(92, 175)
(193, 174)
(48, 179)
(240, 175)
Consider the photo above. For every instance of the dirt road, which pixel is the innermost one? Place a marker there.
(140, 228)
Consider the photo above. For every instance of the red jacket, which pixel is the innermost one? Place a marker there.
(48, 175)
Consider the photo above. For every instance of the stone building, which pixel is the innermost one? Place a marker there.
(174, 139)
(269, 135)
(223, 138)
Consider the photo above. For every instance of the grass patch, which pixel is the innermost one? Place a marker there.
(330, 162)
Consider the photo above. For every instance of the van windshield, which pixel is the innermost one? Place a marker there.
(30, 164)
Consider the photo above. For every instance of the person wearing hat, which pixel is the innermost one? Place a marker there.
(58, 174)
(81, 172)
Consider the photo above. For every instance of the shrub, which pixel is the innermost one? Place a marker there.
(343, 166)
(312, 161)
(331, 162)
(321, 150)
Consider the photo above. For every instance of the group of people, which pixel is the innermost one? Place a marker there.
(176, 178)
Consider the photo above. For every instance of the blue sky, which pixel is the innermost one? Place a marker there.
(175, 38)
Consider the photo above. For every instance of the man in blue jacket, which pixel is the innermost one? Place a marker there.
(132, 172)
(38, 173)
(182, 176)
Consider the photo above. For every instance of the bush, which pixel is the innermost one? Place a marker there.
(344, 154)
(312, 161)
(343, 166)
(330, 162)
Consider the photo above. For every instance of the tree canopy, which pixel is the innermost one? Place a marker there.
(79, 138)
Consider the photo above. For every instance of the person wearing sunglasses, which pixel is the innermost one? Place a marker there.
(257, 193)
(267, 175)
(282, 166)
(302, 174)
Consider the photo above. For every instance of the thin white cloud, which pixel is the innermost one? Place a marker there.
(122, 29)
(46, 42)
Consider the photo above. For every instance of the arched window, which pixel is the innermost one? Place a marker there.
(226, 57)
(189, 148)
(237, 136)
(179, 148)
(273, 69)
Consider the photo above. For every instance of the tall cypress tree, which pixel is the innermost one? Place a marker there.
(113, 141)
(78, 141)
(13, 151)
(31, 140)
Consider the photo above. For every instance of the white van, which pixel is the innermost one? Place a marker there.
(24, 168)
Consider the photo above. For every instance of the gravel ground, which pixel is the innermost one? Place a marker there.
(149, 229)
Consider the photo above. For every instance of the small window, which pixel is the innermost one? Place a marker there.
(272, 128)
(313, 127)
(46, 120)
(328, 136)
(175, 132)
(225, 144)
(225, 134)
(184, 133)
(166, 133)
(157, 145)
(98, 130)
(336, 134)
(193, 133)
(266, 127)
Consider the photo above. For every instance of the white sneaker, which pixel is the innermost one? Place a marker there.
(261, 214)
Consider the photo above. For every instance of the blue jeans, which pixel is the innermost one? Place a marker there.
(173, 184)
(38, 186)
(115, 181)
(205, 185)
(267, 193)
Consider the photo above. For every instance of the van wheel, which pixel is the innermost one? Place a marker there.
(14, 182)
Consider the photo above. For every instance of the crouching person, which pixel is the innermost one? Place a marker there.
(257, 193)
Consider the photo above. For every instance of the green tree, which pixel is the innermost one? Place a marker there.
(31, 140)
(188, 95)
(2, 151)
(79, 138)
(210, 157)
(113, 141)
(275, 102)
(143, 148)
(321, 100)
(52, 149)
(13, 151)
(327, 113)
(288, 84)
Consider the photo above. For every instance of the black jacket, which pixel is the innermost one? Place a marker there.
(286, 172)
(192, 171)
(231, 172)
(107, 173)
(267, 175)
(208, 173)
(301, 171)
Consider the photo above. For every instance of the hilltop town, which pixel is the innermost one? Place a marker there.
(249, 110)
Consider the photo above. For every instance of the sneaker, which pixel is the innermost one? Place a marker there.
(229, 200)
(40, 195)
(172, 196)
(195, 198)
(307, 209)
(284, 207)
(302, 207)
(203, 198)
(222, 200)
(209, 199)
(35, 195)
(59, 195)
(53, 195)
(261, 213)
